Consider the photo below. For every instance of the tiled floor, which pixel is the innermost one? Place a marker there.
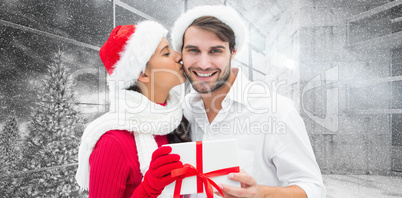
(363, 186)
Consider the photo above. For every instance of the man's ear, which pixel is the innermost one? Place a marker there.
(144, 77)
(234, 53)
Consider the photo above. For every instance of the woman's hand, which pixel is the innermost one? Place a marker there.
(158, 175)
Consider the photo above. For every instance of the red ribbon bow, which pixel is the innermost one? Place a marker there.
(202, 178)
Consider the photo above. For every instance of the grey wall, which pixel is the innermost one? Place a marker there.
(347, 87)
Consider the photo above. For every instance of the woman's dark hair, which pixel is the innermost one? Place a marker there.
(134, 88)
(181, 133)
(216, 26)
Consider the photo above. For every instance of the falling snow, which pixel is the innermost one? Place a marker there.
(340, 61)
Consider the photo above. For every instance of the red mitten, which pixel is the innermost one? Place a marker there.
(158, 175)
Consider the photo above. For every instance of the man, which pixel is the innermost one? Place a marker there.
(273, 143)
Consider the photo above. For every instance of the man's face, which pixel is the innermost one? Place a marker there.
(206, 59)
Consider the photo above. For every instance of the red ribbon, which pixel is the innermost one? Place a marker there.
(199, 165)
(202, 178)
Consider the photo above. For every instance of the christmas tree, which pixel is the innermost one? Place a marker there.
(51, 147)
(9, 145)
(10, 155)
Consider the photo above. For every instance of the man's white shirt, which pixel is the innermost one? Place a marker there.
(273, 145)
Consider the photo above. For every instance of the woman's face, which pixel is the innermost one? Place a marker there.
(164, 67)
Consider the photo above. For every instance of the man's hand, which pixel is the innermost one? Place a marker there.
(249, 187)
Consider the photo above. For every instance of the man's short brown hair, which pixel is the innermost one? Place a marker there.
(216, 26)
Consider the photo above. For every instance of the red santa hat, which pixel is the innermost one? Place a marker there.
(226, 14)
(128, 49)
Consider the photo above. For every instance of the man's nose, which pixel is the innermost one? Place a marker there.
(203, 61)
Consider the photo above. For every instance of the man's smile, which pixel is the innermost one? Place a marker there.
(203, 74)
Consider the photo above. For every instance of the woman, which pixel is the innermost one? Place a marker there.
(119, 154)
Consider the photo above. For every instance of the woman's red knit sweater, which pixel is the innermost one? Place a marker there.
(114, 166)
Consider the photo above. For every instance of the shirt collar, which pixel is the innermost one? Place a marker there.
(237, 91)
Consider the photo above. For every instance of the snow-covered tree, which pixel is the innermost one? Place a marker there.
(10, 155)
(51, 147)
(9, 145)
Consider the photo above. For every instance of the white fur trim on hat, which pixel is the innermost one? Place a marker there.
(141, 45)
(227, 15)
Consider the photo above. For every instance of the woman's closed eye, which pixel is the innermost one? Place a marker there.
(166, 52)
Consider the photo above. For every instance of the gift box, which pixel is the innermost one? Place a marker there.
(206, 164)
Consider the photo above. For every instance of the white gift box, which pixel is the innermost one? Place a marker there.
(217, 154)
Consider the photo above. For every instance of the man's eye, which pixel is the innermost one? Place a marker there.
(193, 50)
(216, 51)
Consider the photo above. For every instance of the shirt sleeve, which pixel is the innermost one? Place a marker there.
(294, 158)
(108, 169)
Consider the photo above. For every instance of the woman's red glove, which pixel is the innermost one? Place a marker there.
(158, 175)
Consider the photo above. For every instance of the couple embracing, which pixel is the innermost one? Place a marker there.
(121, 153)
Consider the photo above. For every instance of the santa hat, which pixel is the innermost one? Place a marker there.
(128, 49)
(227, 15)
